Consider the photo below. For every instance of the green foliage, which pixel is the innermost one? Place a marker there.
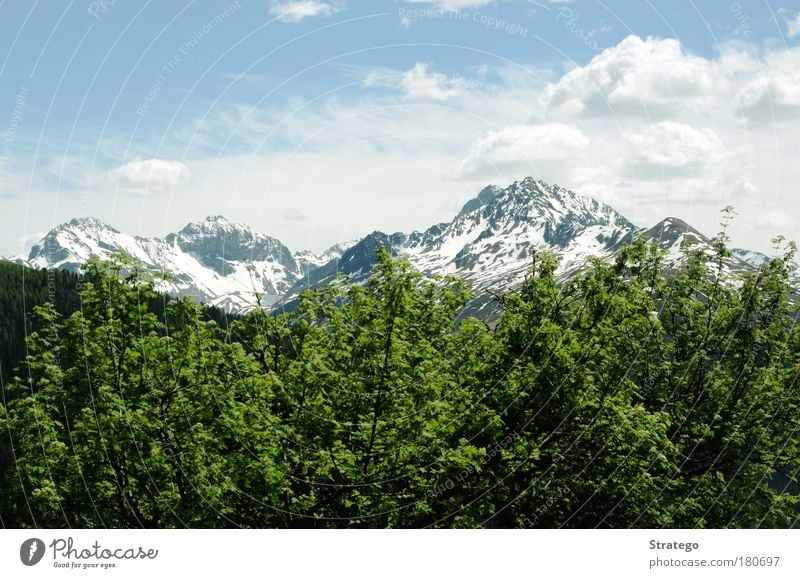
(624, 397)
(22, 289)
(123, 419)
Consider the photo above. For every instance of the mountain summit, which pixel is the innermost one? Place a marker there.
(216, 261)
(219, 244)
(488, 245)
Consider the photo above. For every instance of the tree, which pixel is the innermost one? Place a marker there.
(125, 420)
(627, 396)
(369, 388)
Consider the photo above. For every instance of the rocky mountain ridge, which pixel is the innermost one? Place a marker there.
(488, 245)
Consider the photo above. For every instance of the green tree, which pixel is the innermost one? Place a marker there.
(630, 395)
(125, 420)
(370, 390)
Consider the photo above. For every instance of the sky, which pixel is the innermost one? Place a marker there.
(318, 121)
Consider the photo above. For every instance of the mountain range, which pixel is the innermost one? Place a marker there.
(488, 245)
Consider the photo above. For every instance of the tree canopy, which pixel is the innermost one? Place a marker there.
(627, 396)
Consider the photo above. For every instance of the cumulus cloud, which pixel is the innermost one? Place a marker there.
(773, 94)
(775, 220)
(25, 242)
(149, 176)
(521, 145)
(297, 10)
(293, 214)
(452, 5)
(668, 149)
(648, 77)
(792, 23)
(655, 155)
(419, 84)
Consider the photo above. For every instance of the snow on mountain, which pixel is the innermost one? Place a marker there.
(491, 241)
(16, 259)
(753, 258)
(756, 259)
(307, 260)
(489, 244)
(675, 237)
(71, 244)
(215, 261)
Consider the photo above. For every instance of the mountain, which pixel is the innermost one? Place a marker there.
(756, 259)
(753, 258)
(490, 242)
(215, 261)
(308, 261)
(488, 245)
(672, 235)
(675, 236)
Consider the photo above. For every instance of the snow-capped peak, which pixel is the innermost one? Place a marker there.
(753, 258)
(490, 242)
(308, 260)
(217, 225)
(213, 260)
(87, 223)
(488, 245)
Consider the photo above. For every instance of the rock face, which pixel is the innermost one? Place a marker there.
(216, 261)
(217, 243)
(675, 236)
(488, 245)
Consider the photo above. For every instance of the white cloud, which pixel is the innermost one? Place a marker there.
(649, 77)
(357, 158)
(25, 242)
(775, 220)
(453, 5)
(737, 60)
(792, 23)
(294, 214)
(772, 96)
(521, 145)
(149, 176)
(773, 93)
(669, 149)
(297, 10)
(682, 166)
(419, 84)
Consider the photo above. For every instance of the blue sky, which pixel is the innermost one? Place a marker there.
(320, 120)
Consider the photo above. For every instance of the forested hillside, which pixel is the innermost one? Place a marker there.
(21, 290)
(624, 397)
